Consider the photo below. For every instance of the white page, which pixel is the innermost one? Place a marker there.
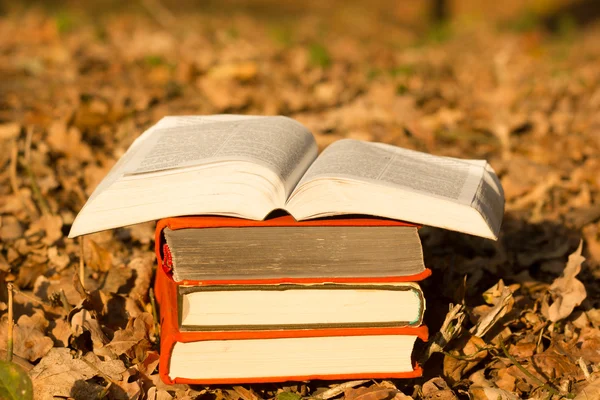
(278, 143)
(442, 177)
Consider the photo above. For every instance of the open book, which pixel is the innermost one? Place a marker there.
(248, 166)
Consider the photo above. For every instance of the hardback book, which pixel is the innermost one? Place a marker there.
(276, 288)
(280, 249)
(277, 354)
(248, 166)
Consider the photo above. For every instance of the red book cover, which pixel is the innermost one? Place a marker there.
(166, 294)
(202, 222)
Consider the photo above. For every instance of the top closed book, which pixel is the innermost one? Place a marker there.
(223, 250)
(249, 166)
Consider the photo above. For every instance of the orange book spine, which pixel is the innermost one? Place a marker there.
(166, 294)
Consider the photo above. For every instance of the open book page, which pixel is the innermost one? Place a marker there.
(489, 198)
(281, 144)
(148, 139)
(444, 177)
(408, 177)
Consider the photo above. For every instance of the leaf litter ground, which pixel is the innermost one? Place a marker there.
(519, 318)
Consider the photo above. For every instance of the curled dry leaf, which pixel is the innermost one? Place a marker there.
(450, 329)
(504, 304)
(567, 291)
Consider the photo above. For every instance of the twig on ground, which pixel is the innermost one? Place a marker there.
(9, 343)
(154, 313)
(81, 263)
(14, 184)
(27, 149)
(35, 189)
(33, 298)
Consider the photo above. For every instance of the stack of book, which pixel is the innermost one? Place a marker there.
(275, 300)
(248, 294)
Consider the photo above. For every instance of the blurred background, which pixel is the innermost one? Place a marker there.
(515, 82)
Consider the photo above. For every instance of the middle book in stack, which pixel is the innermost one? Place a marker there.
(263, 301)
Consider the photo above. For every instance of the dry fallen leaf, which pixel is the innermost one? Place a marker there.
(30, 342)
(471, 353)
(437, 389)
(591, 391)
(51, 225)
(375, 392)
(504, 304)
(99, 258)
(567, 291)
(59, 370)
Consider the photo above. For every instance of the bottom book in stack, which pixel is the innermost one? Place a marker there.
(214, 334)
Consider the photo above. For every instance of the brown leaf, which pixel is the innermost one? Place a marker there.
(246, 394)
(493, 314)
(505, 380)
(158, 394)
(134, 339)
(57, 373)
(99, 259)
(567, 291)
(61, 332)
(9, 131)
(490, 393)
(150, 363)
(143, 267)
(471, 353)
(375, 392)
(30, 342)
(245, 71)
(58, 260)
(10, 228)
(51, 225)
(437, 389)
(522, 350)
(591, 391)
(555, 362)
(82, 321)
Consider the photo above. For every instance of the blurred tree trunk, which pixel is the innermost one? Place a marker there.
(439, 11)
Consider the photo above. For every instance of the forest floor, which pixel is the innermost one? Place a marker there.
(77, 88)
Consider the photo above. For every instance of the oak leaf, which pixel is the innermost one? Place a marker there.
(567, 291)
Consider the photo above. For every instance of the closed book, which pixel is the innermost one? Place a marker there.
(208, 250)
(276, 355)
